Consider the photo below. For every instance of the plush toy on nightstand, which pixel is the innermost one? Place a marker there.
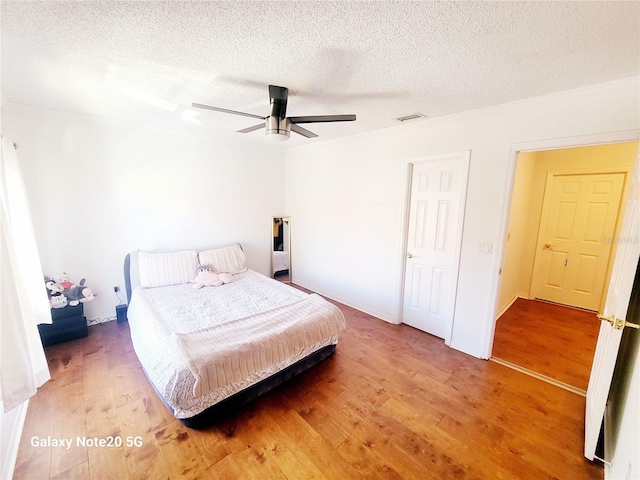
(206, 277)
(79, 294)
(67, 316)
(55, 292)
(62, 279)
(59, 301)
(53, 288)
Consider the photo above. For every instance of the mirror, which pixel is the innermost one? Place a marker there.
(281, 249)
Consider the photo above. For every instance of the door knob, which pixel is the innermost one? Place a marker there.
(618, 323)
(411, 255)
(547, 246)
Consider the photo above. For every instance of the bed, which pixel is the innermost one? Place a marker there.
(280, 262)
(208, 351)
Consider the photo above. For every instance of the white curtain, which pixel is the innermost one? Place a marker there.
(23, 299)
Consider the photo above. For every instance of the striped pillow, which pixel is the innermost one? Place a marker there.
(160, 269)
(228, 259)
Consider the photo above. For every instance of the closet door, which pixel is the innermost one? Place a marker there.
(436, 209)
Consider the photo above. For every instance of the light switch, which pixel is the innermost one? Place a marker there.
(485, 247)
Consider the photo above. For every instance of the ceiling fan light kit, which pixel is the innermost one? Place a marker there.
(277, 128)
(277, 125)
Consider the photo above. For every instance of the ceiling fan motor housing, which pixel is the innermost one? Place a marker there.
(278, 126)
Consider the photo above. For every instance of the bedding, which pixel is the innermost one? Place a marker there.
(280, 261)
(227, 259)
(201, 346)
(159, 269)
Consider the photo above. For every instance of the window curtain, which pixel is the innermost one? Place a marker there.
(23, 298)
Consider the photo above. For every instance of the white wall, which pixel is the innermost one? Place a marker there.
(11, 424)
(346, 199)
(100, 189)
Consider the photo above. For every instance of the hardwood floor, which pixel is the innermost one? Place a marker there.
(393, 402)
(553, 340)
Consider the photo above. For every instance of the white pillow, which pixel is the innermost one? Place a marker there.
(227, 259)
(160, 269)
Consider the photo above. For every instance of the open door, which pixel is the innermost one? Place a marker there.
(614, 315)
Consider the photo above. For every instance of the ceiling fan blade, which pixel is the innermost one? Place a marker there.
(322, 118)
(251, 129)
(302, 131)
(224, 110)
(278, 99)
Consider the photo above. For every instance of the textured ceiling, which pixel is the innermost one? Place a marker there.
(148, 61)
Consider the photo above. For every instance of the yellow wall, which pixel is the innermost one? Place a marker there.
(514, 265)
(526, 204)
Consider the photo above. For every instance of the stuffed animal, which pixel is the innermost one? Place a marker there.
(59, 301)
(55, 292)
(206, 267)
(53, 288)
(62, 279)
(79, 294)
(205, 277)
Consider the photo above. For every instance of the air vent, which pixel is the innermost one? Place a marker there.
(413, 116)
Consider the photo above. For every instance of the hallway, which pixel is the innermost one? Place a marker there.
(552, 340)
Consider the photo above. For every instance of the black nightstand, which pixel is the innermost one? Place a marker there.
(68, 324)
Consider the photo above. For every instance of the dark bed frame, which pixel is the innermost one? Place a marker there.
(223, 408)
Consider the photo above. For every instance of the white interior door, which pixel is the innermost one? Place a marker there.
(617, 303)
(434, 237)
(578, 221)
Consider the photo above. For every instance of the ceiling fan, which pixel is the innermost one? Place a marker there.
(278, 126)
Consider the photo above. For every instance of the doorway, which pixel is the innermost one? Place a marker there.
(436, 200)
(523, 247)
(578, 220)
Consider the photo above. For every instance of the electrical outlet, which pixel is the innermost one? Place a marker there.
(116, 289)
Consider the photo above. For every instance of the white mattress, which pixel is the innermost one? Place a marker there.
(170, 325)
(280, 261)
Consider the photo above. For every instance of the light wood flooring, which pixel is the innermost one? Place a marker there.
(393, 402)
(553, 340)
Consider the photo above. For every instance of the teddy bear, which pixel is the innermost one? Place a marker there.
(206, 277)
(62, 279)
(79, 294)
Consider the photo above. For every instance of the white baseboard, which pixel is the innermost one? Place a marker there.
(14, 435)
(346, 302)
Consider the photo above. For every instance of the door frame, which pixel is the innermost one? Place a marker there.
(513, 150)
(558, 173)
(465, 157)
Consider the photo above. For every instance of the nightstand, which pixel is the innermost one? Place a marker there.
(68, 324)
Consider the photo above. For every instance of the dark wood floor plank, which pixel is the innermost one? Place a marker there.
(393, 402)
